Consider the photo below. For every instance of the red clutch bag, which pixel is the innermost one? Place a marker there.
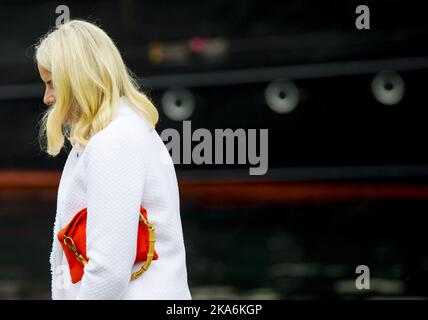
(73, 241)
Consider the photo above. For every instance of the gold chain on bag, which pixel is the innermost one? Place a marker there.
(69, 243)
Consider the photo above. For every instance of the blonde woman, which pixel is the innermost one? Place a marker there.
(117, 164)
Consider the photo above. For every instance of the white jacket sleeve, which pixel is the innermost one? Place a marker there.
(115, 180)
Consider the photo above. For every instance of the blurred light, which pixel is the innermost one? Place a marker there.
(388, 87)
(216, 49)
(178, 104)
(198, 44)
(282, 96)
(175, 52)
(155, 52)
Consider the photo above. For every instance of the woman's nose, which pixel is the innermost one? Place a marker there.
(48, 98)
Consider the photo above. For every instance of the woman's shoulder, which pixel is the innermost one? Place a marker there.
(115, 138)
(127, 132)
(126, 125)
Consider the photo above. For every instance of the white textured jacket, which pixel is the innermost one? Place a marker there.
(123, 166)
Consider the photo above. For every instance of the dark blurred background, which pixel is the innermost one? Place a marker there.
(346, 111)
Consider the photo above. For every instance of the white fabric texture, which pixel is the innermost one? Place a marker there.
(124, 166)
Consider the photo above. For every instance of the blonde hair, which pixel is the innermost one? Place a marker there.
(89, 77)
